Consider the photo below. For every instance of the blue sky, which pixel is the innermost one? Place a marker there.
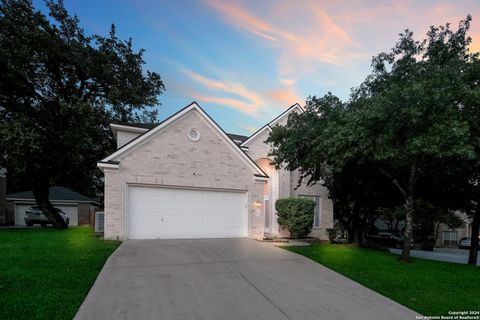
(245, 62)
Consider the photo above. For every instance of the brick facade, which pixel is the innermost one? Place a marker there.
(170, 158)
(288, 184)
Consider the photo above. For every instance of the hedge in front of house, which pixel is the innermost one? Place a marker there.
(296, 214)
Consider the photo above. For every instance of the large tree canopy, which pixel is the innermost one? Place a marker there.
(408, 121)
(307, 143)
(59, 90)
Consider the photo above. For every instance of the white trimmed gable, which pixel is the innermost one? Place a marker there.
(280, 120)
(148, 135)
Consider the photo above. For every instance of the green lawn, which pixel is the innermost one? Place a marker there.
(46, 273)
(429, 287)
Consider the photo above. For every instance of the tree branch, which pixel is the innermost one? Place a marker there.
(394, 181)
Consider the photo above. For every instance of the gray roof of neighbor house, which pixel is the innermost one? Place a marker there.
(56, 194)
(237, 138)
(144, 125)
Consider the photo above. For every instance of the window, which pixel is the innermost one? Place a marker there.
(318, 212)
(450, 238)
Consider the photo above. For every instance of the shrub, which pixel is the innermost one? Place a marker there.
(296, 214)
(332, 234)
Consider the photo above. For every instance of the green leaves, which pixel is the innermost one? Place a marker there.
(59, 90)
(415, 117)
(296, 214)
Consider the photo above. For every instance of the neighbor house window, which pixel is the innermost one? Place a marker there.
(318, 212)
(450, 238)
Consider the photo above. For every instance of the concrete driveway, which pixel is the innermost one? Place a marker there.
(226, 279)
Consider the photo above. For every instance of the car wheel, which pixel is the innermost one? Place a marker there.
(43, 224)
(398, 245)
(68, 221)
(29, 224)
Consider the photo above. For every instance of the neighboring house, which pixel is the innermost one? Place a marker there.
(187, 178)
(448, 237)
(80, 208)
(3, 200)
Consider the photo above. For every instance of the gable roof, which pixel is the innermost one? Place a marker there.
(109, 161)
(142, 125)
(56, 193)
(145, 126)
(237, 138)
(272, 123)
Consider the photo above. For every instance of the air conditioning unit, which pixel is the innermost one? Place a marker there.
(99, 221)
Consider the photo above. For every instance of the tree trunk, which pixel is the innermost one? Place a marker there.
(360, 234)
(436, 232)
(408, 193)
(472, 258)
(41, 194)
(409, 210)
(397, 221)
(356, 223)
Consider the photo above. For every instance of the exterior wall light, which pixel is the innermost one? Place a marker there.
(257, 204)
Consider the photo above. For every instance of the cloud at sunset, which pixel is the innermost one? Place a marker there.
(333, 34)
(246, 61)
(314, 39)
(237, 96)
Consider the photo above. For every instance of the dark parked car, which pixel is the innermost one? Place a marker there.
(34, 215)
(387, 239)
(465, 243)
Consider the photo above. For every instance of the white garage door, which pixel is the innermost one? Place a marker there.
(71, 210)
(20, 213)
(164, 213)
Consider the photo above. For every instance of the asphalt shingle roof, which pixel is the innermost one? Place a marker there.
(56, 194)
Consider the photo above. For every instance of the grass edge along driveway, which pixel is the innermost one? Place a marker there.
(431, 288)
(46, 273)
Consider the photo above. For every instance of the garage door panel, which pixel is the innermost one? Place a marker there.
(20, 213)
(168, 213)
(72, 212)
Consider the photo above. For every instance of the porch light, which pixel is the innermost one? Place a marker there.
(257, 204)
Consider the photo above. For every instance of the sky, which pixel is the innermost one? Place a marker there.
(245, 61)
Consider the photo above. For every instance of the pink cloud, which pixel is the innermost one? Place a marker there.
(317, 38)
(242, 18)
(475, 46)
(244, 100)
(249, 128)
(337, 33)
(285, 96)
(255, 102)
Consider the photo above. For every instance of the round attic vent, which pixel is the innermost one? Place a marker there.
(193, 134)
